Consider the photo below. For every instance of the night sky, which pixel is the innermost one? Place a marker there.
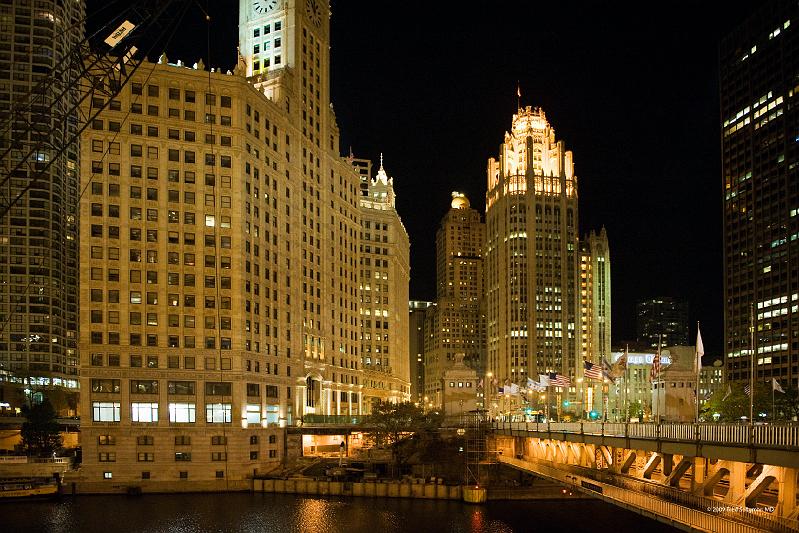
(631, 89)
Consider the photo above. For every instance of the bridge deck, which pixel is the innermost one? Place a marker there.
(775, 444)
(685, 511)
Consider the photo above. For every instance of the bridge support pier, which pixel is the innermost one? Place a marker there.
(651, 464)
(737, 482)
(628, 462)
(668, 464)
(708, 487)
(673, 479)
(699, 471)
(786, 499)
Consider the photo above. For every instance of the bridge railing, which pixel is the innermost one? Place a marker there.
(684, 508)
(701, 512)
(765, 435)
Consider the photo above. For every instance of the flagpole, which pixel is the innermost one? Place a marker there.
(657, 377)
(772, 400)
(751, 362)
(698, 371)
(626, 386)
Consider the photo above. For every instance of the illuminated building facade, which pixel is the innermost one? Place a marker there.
(760, 169)
(220, 292)
(532, 254)
(456, 325)
(384, 279)
(39, 234)
(595, 317)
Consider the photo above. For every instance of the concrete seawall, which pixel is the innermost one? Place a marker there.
(369, 489)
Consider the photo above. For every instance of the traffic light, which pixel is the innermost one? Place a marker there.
(566, 403)
(593, 415)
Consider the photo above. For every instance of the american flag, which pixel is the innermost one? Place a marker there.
(558, 380)
(656, 365)
(592, 371)
(747, 390)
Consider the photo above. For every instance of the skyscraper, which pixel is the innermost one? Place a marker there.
(456, 325)
(384, 278)
(662, 317)
(531, 256)
(595, 313)
(222, 240)
(416, 318)
(39, 234)
(760, 172)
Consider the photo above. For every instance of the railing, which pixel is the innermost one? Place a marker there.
(702, 513)
(24, 459)
(763, 436)
(333, 420)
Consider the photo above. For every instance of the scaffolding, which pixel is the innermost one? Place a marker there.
(479, 458)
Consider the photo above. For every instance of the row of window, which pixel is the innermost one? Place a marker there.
(114, 147)
(149, 457)
(180, 440)
(189, 361)
(151, 339)
(173, 93)
(183, 474)
(278, 25)
(179, 412)
(186, 388)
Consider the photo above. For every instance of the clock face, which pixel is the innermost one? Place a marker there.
(261, 7)
(313, 10)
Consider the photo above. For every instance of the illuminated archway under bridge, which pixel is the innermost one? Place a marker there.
(694, 476)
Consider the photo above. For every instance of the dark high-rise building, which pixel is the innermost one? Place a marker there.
(417, 310)
(759, 65)
(38, 234)
(662, 317)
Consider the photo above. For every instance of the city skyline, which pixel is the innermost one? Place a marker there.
(422, 96)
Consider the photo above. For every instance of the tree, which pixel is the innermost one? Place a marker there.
(731, 404)
(635, 410)
(786, 404)
(404, 427)
(40, 433)
(390, 423)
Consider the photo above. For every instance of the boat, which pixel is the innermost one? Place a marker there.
(28, 488)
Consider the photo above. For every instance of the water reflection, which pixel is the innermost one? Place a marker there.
(276, 513)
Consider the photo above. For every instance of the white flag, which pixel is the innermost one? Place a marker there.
(514, 389)
(729, 391)
(543, 379)
(775, 385)
(700, 349)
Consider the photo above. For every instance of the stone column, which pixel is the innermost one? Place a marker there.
(786, 499)
(699, 467)
(737, 482)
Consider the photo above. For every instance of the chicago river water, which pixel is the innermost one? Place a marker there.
(279, 513)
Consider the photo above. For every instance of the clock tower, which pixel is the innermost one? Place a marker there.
(285, 46)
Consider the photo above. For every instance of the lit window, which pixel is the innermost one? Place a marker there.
(144, 412)
(105, 411)
(217, 413)
(182, 412)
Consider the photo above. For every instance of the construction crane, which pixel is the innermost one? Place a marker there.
(93, 71)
